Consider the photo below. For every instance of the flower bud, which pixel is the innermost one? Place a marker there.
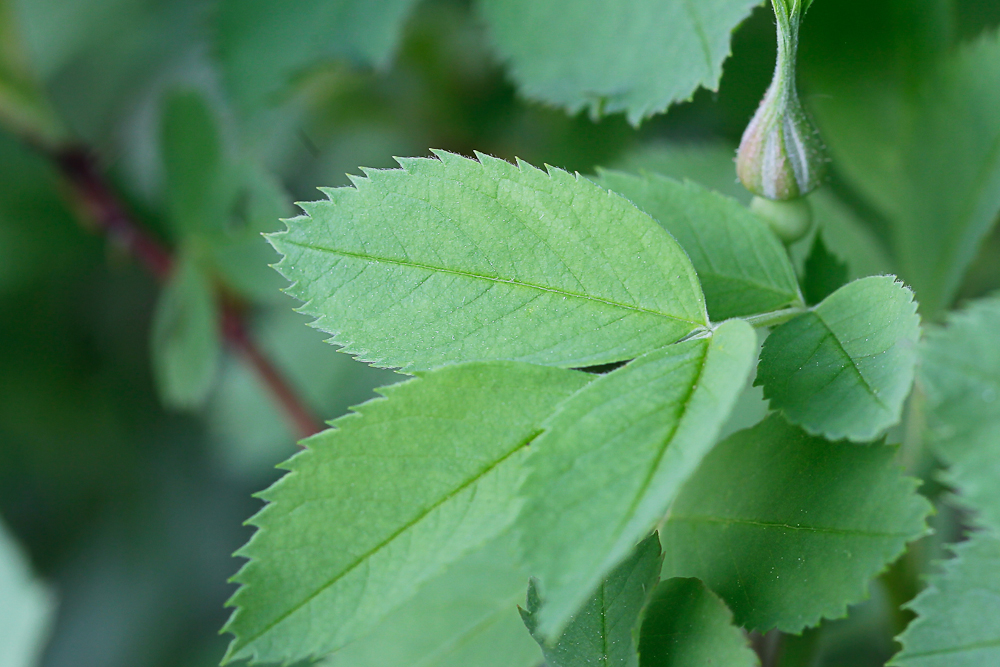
(781, 156)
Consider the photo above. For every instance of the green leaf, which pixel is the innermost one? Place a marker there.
(383, 502)
(262, 44)
(844, 369)
(457, 260)
(198, 189)
(28, 607)
(788, 528)
(711, 165)
(743, 267)
(825, 273)
(632, 56)
(960, 375)
(890, 139)
(615, 455)
(958, 622)
(185, 337)
(603, 631)
(466, 616)
(687, 625)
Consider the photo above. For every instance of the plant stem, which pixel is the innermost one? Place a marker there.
(775, 318)
(103, 207)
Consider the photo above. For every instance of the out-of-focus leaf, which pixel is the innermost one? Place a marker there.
(632, 56)
(27, 607)
(411, 486)
(960, 375)
(924, 150)
(263, 43)
(687, 625)
(453, 259)
(604, 630)
(186, 337)
(958, 616)
(615, 455)
(199, 184)
(743, 267)
(466, 616)
(844, 368)
(787, 528)
(825, 273)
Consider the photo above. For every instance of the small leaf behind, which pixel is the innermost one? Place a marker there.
(451, 259)
(615, 455)
(687, 625)
(743, 267)
(603, 631)
(28, 607)
(384, 501)
(825, 273)
(844, 369)
(787, 528)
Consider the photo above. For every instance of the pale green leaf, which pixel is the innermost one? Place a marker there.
(788, 528)
(687, 625)
(466, 616)
(452, 260)
(198, 189)
(615, 455)
(632, 56)
(958, 622)
(185, 337)
(960, 376)
(924, 150)
(27, 607)
(844, 369)
(743, 267)
(604, 630)
(381, 503)
(262, 44)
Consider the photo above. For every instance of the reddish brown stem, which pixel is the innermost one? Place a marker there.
(103, 207)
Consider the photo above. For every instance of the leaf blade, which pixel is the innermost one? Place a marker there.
(487, 260)
(614, 456)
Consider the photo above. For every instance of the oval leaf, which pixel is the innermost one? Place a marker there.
(457, 260)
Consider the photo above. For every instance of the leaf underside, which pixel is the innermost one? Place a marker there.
(743, 267)
(632, 56)
(384, 501)
(787, 528)
(844, 369)
(450, 260)
(615, 455)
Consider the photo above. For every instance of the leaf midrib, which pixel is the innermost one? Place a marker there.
(826, 530)
(851, 364)
(479, 276)
(409, 524)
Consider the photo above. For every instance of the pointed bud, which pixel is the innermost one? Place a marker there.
(781, 156)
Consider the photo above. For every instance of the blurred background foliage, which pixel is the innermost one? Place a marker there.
(131, 438)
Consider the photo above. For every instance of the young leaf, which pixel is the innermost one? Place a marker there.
(468, 615)
(686, 625)
(890, 139)
(615, 455)
(263, 43)
(788, 528)
(186, 337)
(743, 267)
(381, 503)
(843, 369)
(603, 631)
(452, 260)
(636, 56)
(825, 273)
(960, 375)
(958, 622)
(28, 607)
